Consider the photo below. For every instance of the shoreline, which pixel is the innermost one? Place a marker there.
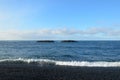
(35, 72)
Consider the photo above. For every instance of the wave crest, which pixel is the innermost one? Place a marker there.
(43, 62)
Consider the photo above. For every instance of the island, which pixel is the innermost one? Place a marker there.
(46, 41)
(69, 41)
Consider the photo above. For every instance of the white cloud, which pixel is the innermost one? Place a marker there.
(91, 33)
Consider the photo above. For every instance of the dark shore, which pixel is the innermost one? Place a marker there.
(28, 72)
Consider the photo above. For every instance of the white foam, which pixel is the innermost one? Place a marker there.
(28, 60)
(68, 63)
(89, 64)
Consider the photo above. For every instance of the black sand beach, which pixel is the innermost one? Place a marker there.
(30, 72)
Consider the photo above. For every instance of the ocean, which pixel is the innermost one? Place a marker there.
(80, 53)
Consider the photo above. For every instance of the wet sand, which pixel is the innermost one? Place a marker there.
(29, 72)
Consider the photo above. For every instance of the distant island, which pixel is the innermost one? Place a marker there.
(46, 41)
(56, 41)
(68, 41)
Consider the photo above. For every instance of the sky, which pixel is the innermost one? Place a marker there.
(59, 19)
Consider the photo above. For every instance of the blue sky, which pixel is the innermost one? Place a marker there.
(60, 19)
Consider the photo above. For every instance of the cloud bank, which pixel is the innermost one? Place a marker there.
(90, 33)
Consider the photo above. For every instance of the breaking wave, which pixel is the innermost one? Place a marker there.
(43, 62)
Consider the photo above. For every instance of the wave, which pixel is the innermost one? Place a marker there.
(89, 64)
(43, 62)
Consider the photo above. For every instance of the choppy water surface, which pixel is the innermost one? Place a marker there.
(75, 52)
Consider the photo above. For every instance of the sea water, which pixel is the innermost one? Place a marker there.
(80, 53)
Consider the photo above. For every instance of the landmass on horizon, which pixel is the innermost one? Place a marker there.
(57, 41)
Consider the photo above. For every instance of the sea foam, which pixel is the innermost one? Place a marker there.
(62, 63)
